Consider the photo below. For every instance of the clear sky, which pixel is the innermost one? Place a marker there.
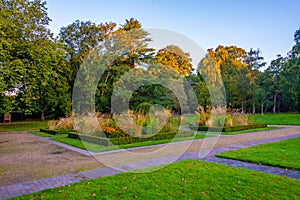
(265, 24)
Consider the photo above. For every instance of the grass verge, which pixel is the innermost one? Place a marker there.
(284, 154)
(182, 180)
(280, 118)
(23, 126)
(63, 138)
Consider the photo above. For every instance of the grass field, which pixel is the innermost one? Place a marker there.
(280, 118)
(23, 126)
(182, 180)
(284, 154)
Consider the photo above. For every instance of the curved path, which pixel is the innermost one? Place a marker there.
(141, 158)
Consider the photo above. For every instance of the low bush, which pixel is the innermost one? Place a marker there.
(231, 128)
(54, 132)
(129, 140)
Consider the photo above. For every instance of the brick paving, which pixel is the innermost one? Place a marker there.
(38, 185)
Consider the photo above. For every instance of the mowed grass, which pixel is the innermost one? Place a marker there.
(269, 118)
(284, 154)
(187, 179)
(63, 138)
(23, 126)
(280, 118)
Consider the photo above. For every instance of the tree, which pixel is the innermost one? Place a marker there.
(174, 57)
(290, 76)
(80, 38)
(254, 62)
(273, 75)
(201, 90)
(228, 68)
(30, 58)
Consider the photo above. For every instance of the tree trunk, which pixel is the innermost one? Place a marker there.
(274, 107)
(262, 109)
(43, 115)
(253, 102)
(105, 82)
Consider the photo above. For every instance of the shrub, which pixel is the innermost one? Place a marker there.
(130, 139)
(231, 128)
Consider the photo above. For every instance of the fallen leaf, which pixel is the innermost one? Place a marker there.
(69, 185)
(239, 182)
(135, 196)
(233, 189)
(134, 178)
(203, 193)
(124, 188)
(94, 194)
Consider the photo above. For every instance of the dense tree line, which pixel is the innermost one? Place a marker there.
(38, 70)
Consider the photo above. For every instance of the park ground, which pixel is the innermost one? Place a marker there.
(24, 157)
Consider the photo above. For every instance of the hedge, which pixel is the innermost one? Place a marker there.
(231, 128)
(53, 132)
(128, 140)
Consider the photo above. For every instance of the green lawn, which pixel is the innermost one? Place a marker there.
(182, 180)
(284, 154)
(23, 126)
(280, 118)
(63, 138)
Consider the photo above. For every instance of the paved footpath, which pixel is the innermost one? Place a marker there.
(38, 185)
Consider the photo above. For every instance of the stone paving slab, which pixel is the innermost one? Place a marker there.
(99, 173)
(37, 185)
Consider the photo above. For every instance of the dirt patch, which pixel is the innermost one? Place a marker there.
(26, 158)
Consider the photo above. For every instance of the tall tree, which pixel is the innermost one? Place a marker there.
(80, 38)
(30, 58)
(254, 62)
(275, 81)
(174, 57)
(229, 64)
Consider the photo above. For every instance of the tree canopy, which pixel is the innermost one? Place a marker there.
(38, 71)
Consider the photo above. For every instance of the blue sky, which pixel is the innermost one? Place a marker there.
(265, 24)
